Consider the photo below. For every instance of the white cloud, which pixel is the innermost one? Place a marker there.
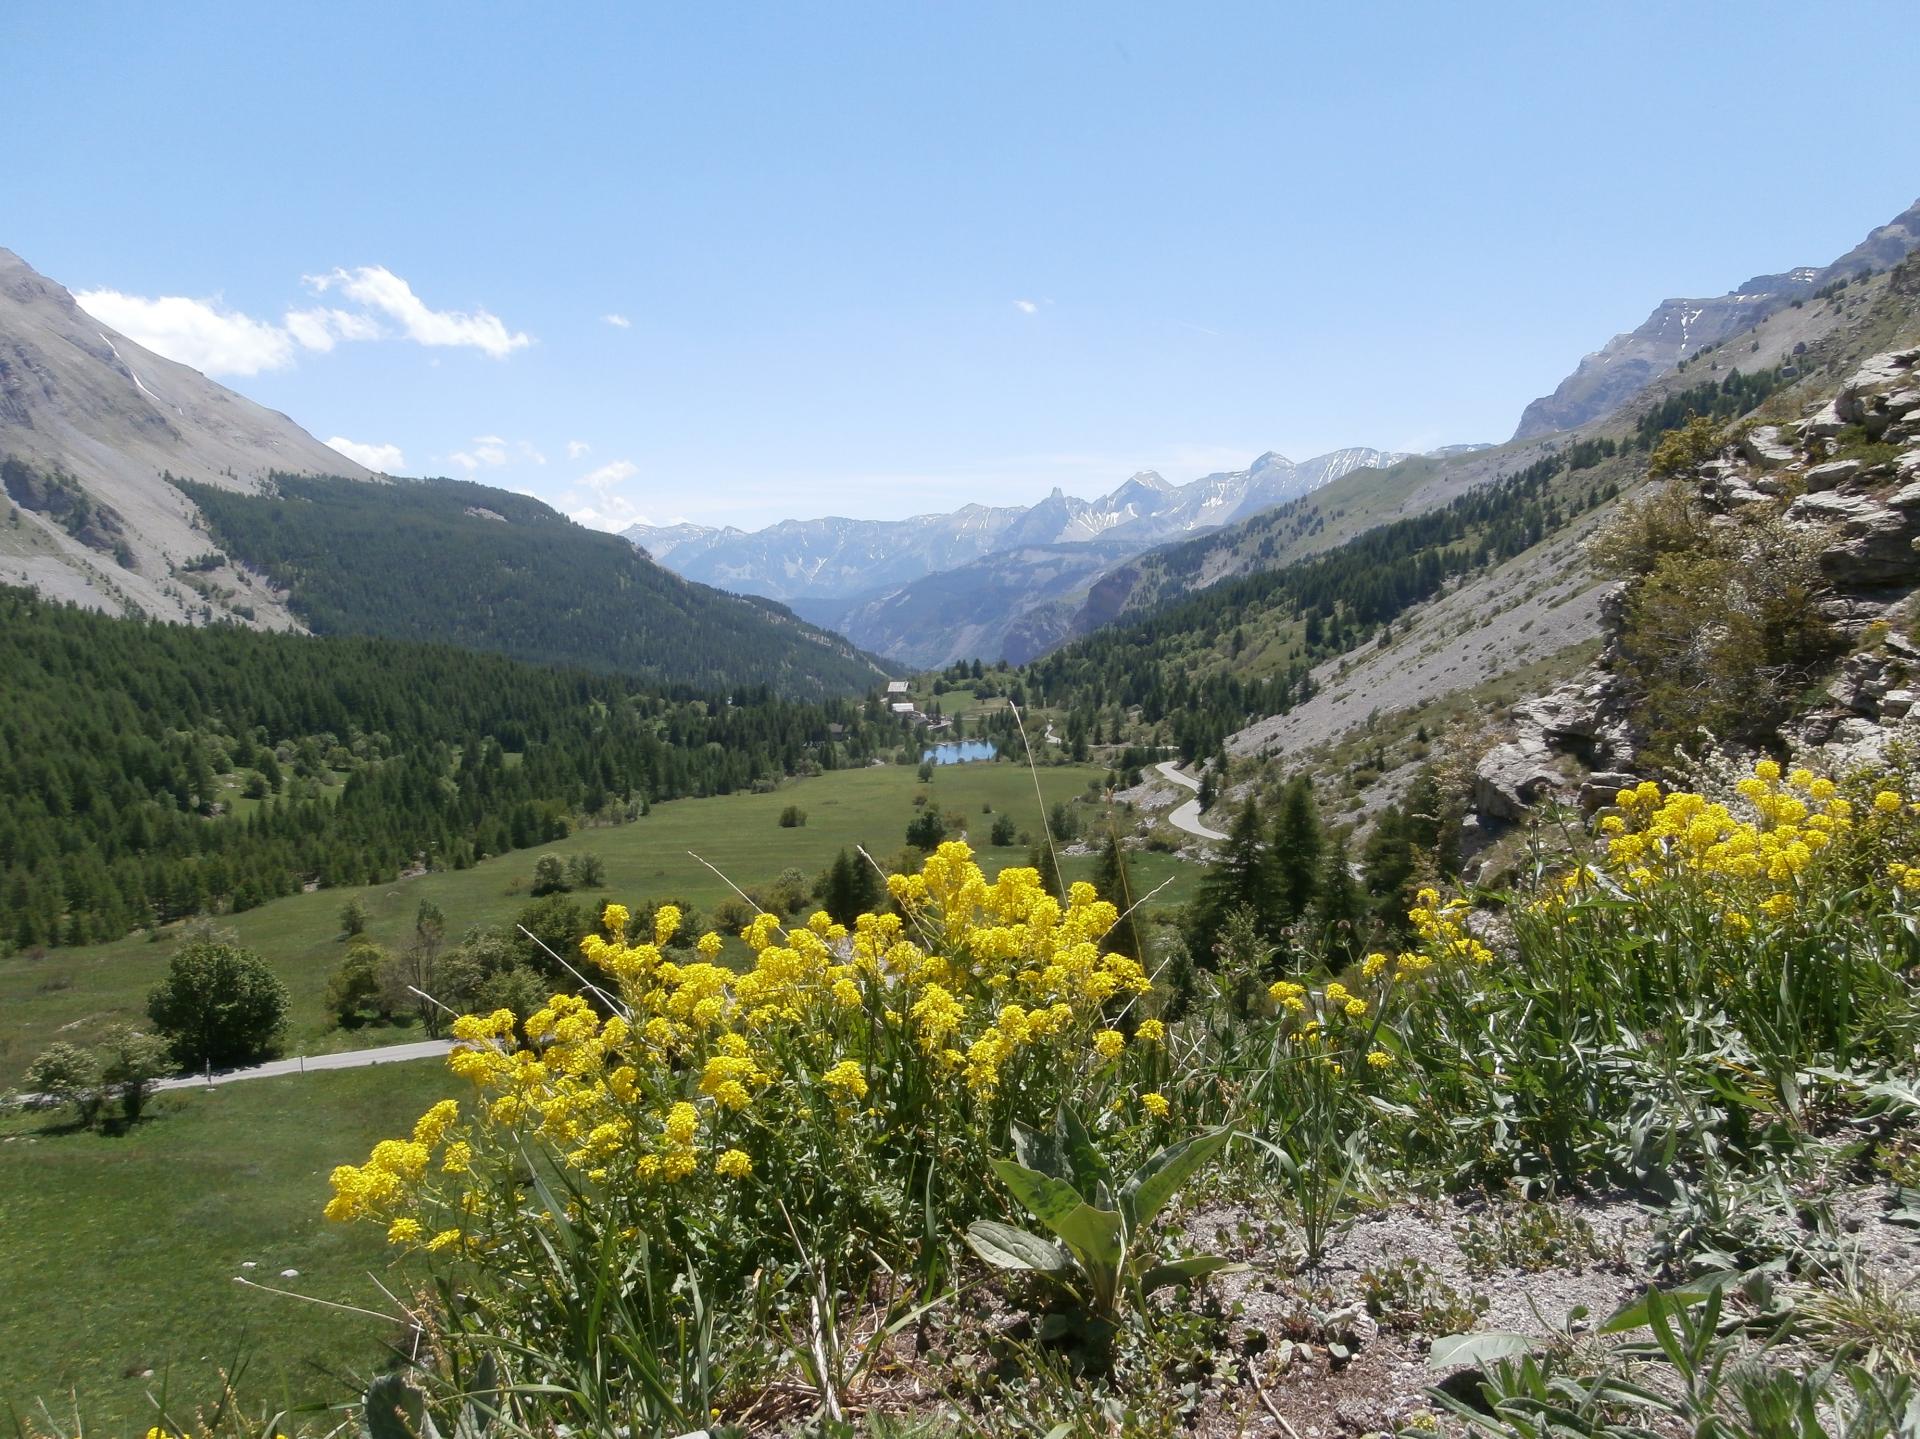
(319, 328)
(379, 289)
(528, 452)
(489, 452)
(577, 448)
(1027, 307)
(607, 509)
(210, 337)
(200, 333)
(619, 322)
(387, 459)
(602, 480)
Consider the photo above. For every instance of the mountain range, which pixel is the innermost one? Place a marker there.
(1677, 329)
(839, 558)
(1011, 583)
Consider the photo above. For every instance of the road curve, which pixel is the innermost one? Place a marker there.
(1187, 817)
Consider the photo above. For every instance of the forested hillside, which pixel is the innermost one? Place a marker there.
(465, 564)
(152, 771)
(1244, 648)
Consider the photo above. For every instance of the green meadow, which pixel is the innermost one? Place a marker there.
(73, 993)
(119, 1254)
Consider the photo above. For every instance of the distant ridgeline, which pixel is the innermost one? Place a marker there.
(1246, 647)
(150, 772)
(1212, 662)
(465, 564)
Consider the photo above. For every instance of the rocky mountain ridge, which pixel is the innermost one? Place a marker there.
(836, 558)
(81, 401)
(1845, 483)
(1679, 328)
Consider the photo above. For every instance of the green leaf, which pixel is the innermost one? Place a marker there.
(1185, 1271)
(1093, 1234)
(1642, 1310)
(1478, 1350)
(1005, 1247)
(1042, 1152)
(395, 1409)
(1090, 1171)
(1156, 1182)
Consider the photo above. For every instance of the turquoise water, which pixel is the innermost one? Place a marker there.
(960, 751)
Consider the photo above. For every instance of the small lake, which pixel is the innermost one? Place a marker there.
(962, 751)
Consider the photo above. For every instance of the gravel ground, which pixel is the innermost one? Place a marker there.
(1534, 606)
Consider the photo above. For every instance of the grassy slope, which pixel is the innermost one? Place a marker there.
(118, 1255)
(72, 992)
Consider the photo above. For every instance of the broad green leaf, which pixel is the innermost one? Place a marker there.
(1641, 1310)
(1005, 1247)
(1089, 1169)
(1479, 1350)
(395, 1409)
(1093, 1234)
(1185, 1271)
(1160, 1178)
(1042, 1152)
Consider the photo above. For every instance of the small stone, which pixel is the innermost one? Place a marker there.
(289, 1273)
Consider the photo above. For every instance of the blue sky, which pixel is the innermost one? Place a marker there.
(877, 259)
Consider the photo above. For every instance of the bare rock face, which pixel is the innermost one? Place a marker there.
(1512, 777)
(1766, 448)
(1866, 542)
(1861, 684)
(1617, 372)
(79, 399)
(1832, 475)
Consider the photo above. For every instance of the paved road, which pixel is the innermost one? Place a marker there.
(1187, 817)
(351, 1059)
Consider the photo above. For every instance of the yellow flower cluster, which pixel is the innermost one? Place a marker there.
(703, 1070)
(1443, 927)
(1755, 851)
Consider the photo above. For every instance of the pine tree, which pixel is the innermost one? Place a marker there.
(1297, 842)
(1339, 908)
(1041, 857)
(852, 887)
(1113, 884)
(1240, 878)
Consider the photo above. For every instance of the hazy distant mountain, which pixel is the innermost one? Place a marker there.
(837, 558)
(80, 398)
(1676, 329)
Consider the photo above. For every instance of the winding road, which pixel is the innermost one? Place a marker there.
(1187, 817)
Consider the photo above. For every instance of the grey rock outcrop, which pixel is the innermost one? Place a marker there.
(1864, 542)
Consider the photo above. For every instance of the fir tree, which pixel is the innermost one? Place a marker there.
(1339, 908)
(1240, 879)
(1295, 853)
(1112, 883)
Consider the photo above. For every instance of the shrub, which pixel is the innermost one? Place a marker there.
(926, 829)
(358, 987)
(219, 1005)
(549, 875)
(792, 817)
(353, 919)
(129, 1063)
(67, 1074)
(1004, 832)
